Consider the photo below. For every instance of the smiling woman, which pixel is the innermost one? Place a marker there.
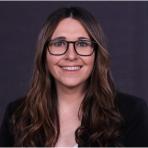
(72, 100)
(75, 63)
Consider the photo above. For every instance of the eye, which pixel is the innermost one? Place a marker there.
(58, 43)
(83, 43)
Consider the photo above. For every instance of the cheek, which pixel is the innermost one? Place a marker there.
(51, 61)
(89, 65)
(91, 62)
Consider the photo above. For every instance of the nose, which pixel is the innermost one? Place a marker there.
(71, 53)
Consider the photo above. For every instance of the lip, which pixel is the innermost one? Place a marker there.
(71, 68)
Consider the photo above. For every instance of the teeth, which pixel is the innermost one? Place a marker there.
(71, 67)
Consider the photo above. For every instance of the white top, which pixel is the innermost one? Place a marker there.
(76, 145)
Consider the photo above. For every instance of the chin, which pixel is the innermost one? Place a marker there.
(72, 84)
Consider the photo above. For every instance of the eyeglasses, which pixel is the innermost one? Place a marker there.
(82, 47)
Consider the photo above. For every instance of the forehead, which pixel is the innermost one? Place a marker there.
(70, 28)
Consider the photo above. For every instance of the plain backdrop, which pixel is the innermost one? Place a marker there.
(125, 25)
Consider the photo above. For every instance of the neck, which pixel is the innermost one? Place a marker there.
(69, 99)
(70, 95)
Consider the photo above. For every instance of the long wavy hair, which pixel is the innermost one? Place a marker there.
(36, 121)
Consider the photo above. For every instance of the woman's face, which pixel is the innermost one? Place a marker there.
(70, 70)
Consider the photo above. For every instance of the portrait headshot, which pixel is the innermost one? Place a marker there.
(74, 74)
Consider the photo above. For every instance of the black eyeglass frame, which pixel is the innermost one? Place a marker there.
(74, 44)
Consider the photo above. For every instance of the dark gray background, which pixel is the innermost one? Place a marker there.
(125, 25)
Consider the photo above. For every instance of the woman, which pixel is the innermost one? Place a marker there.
(72, 100)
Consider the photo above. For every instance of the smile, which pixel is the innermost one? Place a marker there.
(71, 68)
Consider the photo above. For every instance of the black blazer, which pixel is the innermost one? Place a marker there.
(134, 111)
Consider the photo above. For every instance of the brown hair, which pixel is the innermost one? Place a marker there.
(36, 122)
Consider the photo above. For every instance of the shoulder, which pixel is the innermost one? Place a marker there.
(6, 135)
(14, 105)
(134, 111)
(130, 104)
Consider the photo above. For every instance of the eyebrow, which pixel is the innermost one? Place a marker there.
(59, 38)
(83, 38)
(64, 38)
